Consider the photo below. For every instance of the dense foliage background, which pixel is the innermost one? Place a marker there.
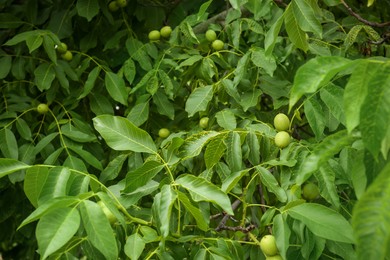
(89, 176)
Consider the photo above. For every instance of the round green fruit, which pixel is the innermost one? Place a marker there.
(282, 139)
(310, 191)
(121, 3)
(113, 6)
(217, 45)
(111, 217)
(211, 35)
(68, 56)
(62, 48)
(268, 245)
(204, 122)
(164, 133)
(154, 35)
(42, 108)
(281, 122)
(166, 31)
(274, 257)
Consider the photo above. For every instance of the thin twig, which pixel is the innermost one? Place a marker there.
(361, 19)
(226, 217)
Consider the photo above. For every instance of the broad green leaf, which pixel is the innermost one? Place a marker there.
(282, 233)
(8, 166)
(122, 135)
(315, 116)
(115, 86)
(199, 99)
(371, 219)
(52, 184)
(190, 61)
(8, 20)
(55, 229)
(214, 151)
(87, 157)
(332, 96)
(18, 68)
(322, 152)
(271, 183)
(129, 70)
(314, 74)
(326, 182)
(188, 32)
(162, 208)
(164, 106)
(226, 119)
(48, 206)
(231, 181)
(272, 35)
(61, 77)
(262, 60)
(233, 151)
(295, 33)
(98, 229)
(193, 210)
(34, 182)
(113, 168)
(205, 191)
(351, 36)
(90, 83)
(195, 143)
(34, 42)
(134, 246)
(76, 134)
(250, 99)
(149, 234)
(241, 69)
(141, 176)
(137, 52)
(323, 222)
(44, 76)
(307, 17)
(375, 110)
(87, 8)
(5, 65)
(167, 82)
(139, 113)
(100, 104)
(9, 145)
(20, 37)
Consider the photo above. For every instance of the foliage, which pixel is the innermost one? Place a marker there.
(204, 192)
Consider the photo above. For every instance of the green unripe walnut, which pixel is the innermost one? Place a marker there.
(268, 245)
(211, 35)
(42, 108)
(113, 6)
(217, 45)
(282, 139)
(68, 56)
(62, 48)
(274, 257)
(110, 216)
(281, 122)
(164, 133)
(121, 3)
(166, 31)
(204, 122)
(154, 35)
(310, 191)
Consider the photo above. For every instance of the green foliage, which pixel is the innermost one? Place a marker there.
(207, 191)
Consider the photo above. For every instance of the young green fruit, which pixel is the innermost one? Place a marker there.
(121, 3)
(42, 108)
(113, 6)
(154, 35)
(163, 133)
(68, 56)
(166, 31)
(282, 139)
(274, 257)
(268, 245)
(204, 122)
(62, 48)
(217, 45)
(111, 217)
(310, 191)
(211, 35)
(281, 122)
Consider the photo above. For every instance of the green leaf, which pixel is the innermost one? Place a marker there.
(8, 166)
(241, 69)
(272, 35)
(113, 168)
(9, 145)
(195, 143)
(314, 74)
(136, 50)
(375, 110)
(306, 16)
(271, 183)
(122, 135)
(139, 114)
(162, 208)
(332, 96)
(164, 106)
(231, 181)
(20, 37)
(371, 219)
(193, 210)
(44, 76)
(323, 222)
(34, 41)
(254, 148)
(233, 151)
(205, 191)
(87, 8)
(52, 184)
(262, 60)
(55, 229)
(34, 182)
(190, 61)
(322, 152)
(282, 234)
(134, 246)
(9, 21)
(129, 70)
(187, 31)
(90, 83)
(141, 176)
(115, 86)
(315, 116)
(326, 178)
(5, 65)
(199, 99)
(214, 151)
(295, 33)
(98, 229)
(226, 119)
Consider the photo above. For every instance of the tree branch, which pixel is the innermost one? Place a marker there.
(361, 19)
